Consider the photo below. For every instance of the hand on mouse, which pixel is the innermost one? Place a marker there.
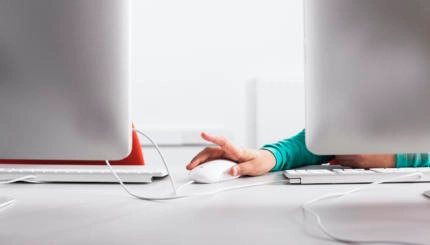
(250, 161)
(368, 161)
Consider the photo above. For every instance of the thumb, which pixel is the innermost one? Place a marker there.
(245, 168)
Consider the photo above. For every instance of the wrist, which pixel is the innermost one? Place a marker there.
(268, 159)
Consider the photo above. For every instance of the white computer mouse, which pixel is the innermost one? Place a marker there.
(213, 172)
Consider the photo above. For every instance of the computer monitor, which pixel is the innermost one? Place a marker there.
(367, 76)
(64, 79)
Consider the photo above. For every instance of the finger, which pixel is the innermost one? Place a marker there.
(207, 154)
(214, 139)
(230, 150)
(245, 168)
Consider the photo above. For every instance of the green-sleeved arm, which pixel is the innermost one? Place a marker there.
(292, 153)
(411, 160)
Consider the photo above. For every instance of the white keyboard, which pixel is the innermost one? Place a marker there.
(338, 175)
(79, 173)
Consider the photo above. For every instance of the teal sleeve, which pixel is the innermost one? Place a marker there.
(292, 153)
(413, 160)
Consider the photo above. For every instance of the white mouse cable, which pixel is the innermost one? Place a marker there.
(184, 184)
(177, 196)
(27, 178)
(172, 182)
(334, 237)
(8, 203)
(139, 196)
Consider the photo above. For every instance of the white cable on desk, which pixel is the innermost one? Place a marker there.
(28, 178)
(172, 181)
(177, 196)
(6, 204)
(306, 208)
(185, 184)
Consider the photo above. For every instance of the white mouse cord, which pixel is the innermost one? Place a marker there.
(231, 188)
(177, 196)
(139, 196)
(172, 182)
(183, 185)
(27, 178)
(306, 208)
(154, 198)
(6, 204)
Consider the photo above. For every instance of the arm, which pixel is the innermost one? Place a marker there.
(289, 153)
(412, 160)
(293, 153)
(405, 160)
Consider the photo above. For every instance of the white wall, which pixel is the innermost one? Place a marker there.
(274, 123)
(195, 61)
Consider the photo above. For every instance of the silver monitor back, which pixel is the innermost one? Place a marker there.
(64, 79)
(367, 76)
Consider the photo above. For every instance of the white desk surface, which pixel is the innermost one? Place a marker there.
(271, 214)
